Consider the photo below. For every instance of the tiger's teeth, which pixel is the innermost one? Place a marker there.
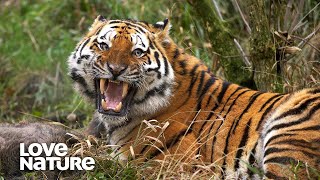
(104, 104)
(116, 82)
(118, 108)
(102, 85)
(125, 89)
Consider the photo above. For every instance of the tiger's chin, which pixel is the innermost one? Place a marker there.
(114, 98)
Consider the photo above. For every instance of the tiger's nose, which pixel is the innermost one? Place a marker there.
(116, 69)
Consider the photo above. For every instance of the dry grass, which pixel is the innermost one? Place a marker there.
(172, 166)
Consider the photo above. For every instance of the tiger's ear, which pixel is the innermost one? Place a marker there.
(163, 30)
(100, 18)
(163, 26)
(98, 21)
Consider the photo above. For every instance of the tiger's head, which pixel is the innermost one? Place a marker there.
(122, 67)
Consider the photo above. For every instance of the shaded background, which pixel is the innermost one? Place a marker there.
(36, 38)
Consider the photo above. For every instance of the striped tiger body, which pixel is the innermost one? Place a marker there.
(134, 72)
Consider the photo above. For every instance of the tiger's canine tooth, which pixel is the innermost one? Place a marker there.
(118, 108)
(104, 104)
(102, 85)
(125, 89)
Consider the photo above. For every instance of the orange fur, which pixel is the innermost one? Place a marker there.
(220, 122)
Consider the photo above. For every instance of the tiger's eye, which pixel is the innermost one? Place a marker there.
(104, 46)
(138, 52)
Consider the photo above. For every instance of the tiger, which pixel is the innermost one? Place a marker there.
(134, 73)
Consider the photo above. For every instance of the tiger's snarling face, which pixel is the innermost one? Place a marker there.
(121, 66)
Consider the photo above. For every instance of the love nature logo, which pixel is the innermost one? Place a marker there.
(40, 156)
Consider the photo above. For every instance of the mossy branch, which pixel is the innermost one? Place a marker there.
(262, 49)
(222, 42)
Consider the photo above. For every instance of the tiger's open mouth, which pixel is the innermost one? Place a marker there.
(113, 97)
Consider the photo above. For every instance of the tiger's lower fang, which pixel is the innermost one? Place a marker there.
(118, 108)
(104, 104)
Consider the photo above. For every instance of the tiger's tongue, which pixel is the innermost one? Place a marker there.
(113, 96)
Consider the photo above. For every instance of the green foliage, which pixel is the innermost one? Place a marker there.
(110, 169)
(36, 48)
(302, 168)
(222, 40)
(253, 168)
